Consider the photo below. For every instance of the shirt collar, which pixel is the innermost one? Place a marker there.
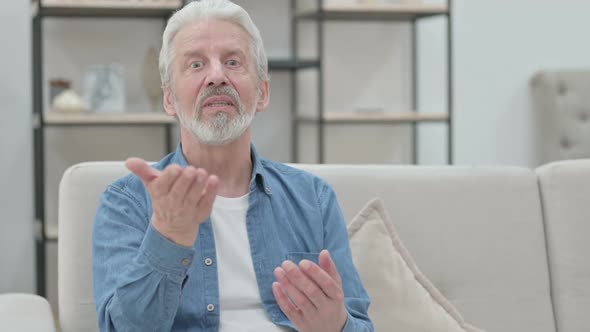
(257, 177)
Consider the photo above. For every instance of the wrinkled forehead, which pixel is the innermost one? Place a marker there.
(212, 36)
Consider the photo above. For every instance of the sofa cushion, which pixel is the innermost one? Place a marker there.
(565, 193)
(25, 312)
(403, 299)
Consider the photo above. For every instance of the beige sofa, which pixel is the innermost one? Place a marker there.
(506, 245)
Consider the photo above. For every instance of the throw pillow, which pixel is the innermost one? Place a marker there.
(402, 298)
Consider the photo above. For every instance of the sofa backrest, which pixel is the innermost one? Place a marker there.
(79, 194)
(476, 233)
(562, 118)
(565, 193)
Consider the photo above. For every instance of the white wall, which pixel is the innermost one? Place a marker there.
(17, 259)
(499, 46)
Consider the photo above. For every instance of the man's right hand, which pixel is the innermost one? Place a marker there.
(182, 199)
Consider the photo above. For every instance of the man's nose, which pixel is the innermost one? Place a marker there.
(216, 75)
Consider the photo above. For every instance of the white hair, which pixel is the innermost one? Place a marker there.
(211, 9)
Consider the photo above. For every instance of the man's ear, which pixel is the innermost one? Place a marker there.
(168, 100)
(264, 96)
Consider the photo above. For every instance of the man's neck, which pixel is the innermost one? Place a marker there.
(231, 163)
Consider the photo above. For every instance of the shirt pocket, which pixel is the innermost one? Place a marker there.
(296, 257)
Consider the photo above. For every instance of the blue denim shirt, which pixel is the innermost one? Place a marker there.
(144, 282)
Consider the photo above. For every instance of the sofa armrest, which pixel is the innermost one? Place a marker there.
(25, 312)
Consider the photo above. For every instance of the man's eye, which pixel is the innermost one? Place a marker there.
(196, 65)
(232, 63)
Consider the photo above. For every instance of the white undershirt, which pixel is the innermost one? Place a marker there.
(239, 298)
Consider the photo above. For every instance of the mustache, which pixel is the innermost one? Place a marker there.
(217, 91)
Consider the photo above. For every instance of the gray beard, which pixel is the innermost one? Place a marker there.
(220, 129)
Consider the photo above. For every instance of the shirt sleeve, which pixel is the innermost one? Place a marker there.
(336, 242)
(137, 273)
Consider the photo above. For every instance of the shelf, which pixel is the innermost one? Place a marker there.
(377, 12)
(287, 65)
(104, 8)
(97, 119)
(376, 118)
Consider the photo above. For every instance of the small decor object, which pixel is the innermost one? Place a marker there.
(151, 79)
(57, 86)
(68, 102)
(104, 88)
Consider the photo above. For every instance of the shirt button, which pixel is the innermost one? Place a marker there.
(185, 262)
(208, 261)
(210, 307)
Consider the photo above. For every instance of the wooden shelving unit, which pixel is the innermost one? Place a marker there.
(41, 9)
(409, 13)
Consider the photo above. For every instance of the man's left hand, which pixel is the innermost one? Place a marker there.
(310, 295)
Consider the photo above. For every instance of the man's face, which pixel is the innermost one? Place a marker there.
(215, 89)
